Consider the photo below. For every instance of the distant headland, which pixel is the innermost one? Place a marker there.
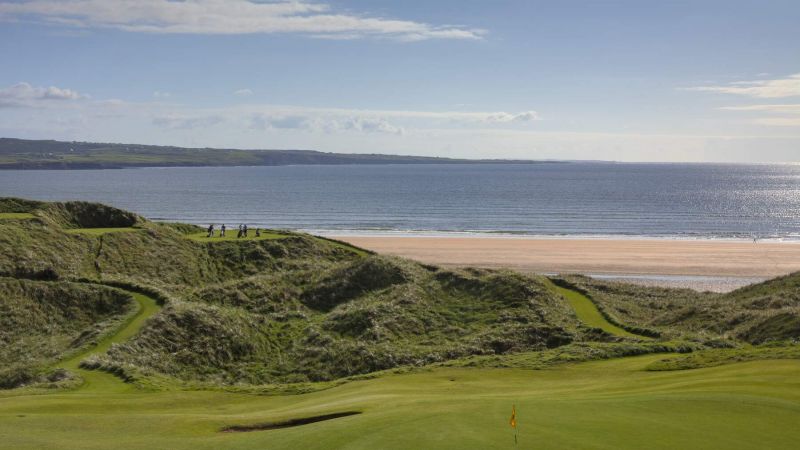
(49, 154)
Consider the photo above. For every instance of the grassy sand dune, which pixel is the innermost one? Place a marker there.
(428, 357)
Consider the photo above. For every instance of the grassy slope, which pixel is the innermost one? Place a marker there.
(608, 404)
(755, 314)
(97, 381)
(42, 321)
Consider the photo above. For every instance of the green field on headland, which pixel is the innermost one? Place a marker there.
(121, 332)
(30, 154)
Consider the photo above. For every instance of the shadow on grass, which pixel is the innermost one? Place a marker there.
(287, 423)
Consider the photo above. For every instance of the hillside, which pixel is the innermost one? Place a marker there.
(294, 308)
(289, 308)
(48, 154)
(755, 314)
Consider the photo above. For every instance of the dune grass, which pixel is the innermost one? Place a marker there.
(588, 313)
(100, 231)
(104, 382)
(608, 404)
(16, 216)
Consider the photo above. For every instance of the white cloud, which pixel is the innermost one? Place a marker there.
(792, 110)
(315, 122)
(501, 117)
(227, 17)
(23, 94)
(787, 108)
(779, 121)
(243, 92)
(370, 125)
(260, 121)
(161, 94)
(776, 88)
(182, 122)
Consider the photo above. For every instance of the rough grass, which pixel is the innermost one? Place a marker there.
(341, 320)
(41, 322)
(100, 231)
(756, 314)
(718, 357)
(303, 309)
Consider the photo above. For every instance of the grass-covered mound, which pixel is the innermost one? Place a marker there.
(160, 255)
(298, 308)
(329, 322)
(41, 322)
(755, 314)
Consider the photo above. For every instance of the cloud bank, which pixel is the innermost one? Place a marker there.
(776, 88)
(25, 95)
(227, 17)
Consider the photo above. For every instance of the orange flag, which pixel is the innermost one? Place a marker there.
(513, 421)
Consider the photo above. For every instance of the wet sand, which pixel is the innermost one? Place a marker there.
(700, 264)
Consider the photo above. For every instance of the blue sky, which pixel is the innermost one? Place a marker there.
(634, 81)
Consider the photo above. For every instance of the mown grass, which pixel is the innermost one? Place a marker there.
(230, 235)
(146, 307)
(608, 404)
(16, 216)
(588, 313)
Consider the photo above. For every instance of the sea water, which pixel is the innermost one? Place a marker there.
(723, 201)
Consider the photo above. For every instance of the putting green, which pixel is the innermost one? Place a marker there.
(588, 313)
(230, 235)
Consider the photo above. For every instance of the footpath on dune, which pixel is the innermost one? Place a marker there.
(97, 380)
(589, 314)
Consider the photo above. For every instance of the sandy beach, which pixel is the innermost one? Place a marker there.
(701, 264)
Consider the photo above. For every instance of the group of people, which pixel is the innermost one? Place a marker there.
(242, 231)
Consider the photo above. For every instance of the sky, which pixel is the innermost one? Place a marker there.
(598, 80)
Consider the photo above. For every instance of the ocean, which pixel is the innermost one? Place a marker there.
(722, 201)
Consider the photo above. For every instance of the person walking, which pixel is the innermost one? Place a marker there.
(245, 230)
(222, 230)
(210, 230)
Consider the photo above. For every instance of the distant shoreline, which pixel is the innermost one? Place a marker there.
(23, 154)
